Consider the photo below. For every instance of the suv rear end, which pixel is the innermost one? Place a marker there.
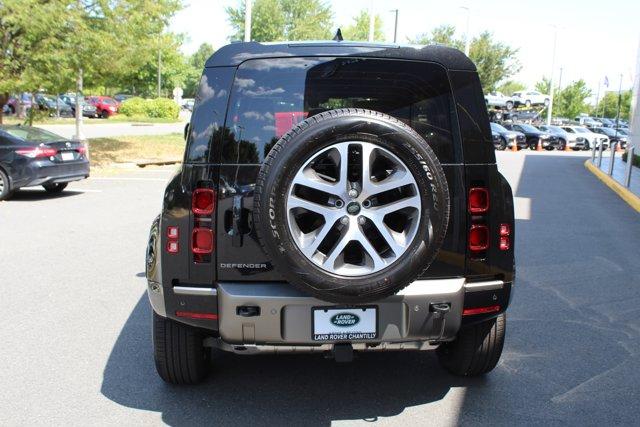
(218, 276)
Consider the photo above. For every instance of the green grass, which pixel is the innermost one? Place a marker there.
(118, 118)
(105, 152)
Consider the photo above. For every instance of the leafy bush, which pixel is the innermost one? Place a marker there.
(155, 108)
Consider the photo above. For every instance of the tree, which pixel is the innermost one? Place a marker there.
(196, 64)
(510, 86)
(494, 60)
(278, 20)
(544, 85)
(359, 29)
(608, 105)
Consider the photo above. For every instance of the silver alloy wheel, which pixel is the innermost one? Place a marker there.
(353, 208)
(1, 184)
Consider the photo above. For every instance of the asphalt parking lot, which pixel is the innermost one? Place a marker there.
(76, 333)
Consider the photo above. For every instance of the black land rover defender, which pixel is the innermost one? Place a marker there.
(334, 197)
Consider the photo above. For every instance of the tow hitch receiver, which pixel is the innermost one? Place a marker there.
(343, 353)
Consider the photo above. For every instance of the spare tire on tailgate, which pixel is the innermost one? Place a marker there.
(351, 205)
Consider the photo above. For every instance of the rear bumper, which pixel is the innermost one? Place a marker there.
(282, 316)
(47, 172)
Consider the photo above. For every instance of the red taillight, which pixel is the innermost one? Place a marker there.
(478, 238)
(196, 315)
(202, 240)
(203, 201)
(82, 149)
(478, 200)
(173, 247)
(37, 152)
(505, 230)
(480, 310)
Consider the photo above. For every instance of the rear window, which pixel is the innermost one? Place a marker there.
(270, 96)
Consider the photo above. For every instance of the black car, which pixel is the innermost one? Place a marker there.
(334, 198)
(614, 135)
(534, 135)
(31, 156)
(508, 137)
(51, 104)
(88, 110)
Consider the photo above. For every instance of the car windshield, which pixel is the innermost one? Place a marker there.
(582, 130)
(555, 129)
(528, 128)
(498, 128)
(32, 134)
(623, 132)
(108, 101)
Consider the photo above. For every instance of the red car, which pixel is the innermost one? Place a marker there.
(105, 106)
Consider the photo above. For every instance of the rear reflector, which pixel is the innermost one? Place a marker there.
(505, 243)
(202, 240)
(172, 247)
(478, 200)
(203, 201)
(173, 232)
(480, 310)
(195, 315)
(505, 230)
(478, 238)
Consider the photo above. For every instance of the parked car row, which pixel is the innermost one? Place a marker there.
(92, 106)
(552, 137)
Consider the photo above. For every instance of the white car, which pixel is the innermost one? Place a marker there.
(592, 138)
(497, 99)
(530, 98)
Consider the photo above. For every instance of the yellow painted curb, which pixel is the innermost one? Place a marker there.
(624, 193)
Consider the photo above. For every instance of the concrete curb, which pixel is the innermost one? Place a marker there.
(624, 193)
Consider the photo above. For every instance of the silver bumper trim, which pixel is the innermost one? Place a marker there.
(190, 290)
(483, 286)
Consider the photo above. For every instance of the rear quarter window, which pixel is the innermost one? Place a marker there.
(270, 96)
(207, 123)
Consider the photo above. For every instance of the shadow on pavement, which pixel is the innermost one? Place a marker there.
(573, 334)
(31, 195)
(293, 389)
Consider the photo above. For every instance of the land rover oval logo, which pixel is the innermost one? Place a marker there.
(344, 320)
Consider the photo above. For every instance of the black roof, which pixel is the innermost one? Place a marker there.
(235, 53)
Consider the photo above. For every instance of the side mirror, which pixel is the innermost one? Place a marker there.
(186, 131)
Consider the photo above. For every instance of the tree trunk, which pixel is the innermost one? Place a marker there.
(4, 98)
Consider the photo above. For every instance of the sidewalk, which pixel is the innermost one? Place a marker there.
(616, 181)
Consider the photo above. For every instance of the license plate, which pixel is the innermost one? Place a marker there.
(67, 156)
(345, 324)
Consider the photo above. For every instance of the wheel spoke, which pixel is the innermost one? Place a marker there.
(396, 180)
(298, 202)
(378, 262)
(389, 236)
(407, 202)
(309, 178)
(316, 239)
(332, 256)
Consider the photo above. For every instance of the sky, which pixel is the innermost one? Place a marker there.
(594, 38)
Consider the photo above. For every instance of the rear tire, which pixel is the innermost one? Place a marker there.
(179, 353)
(476, 350)
(104, 114)
(55, 188)
(5, 186)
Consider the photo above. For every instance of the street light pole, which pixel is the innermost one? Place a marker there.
(247, 20)
(395, 26)
(159, 71)
(467, 40)
(553, 66)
